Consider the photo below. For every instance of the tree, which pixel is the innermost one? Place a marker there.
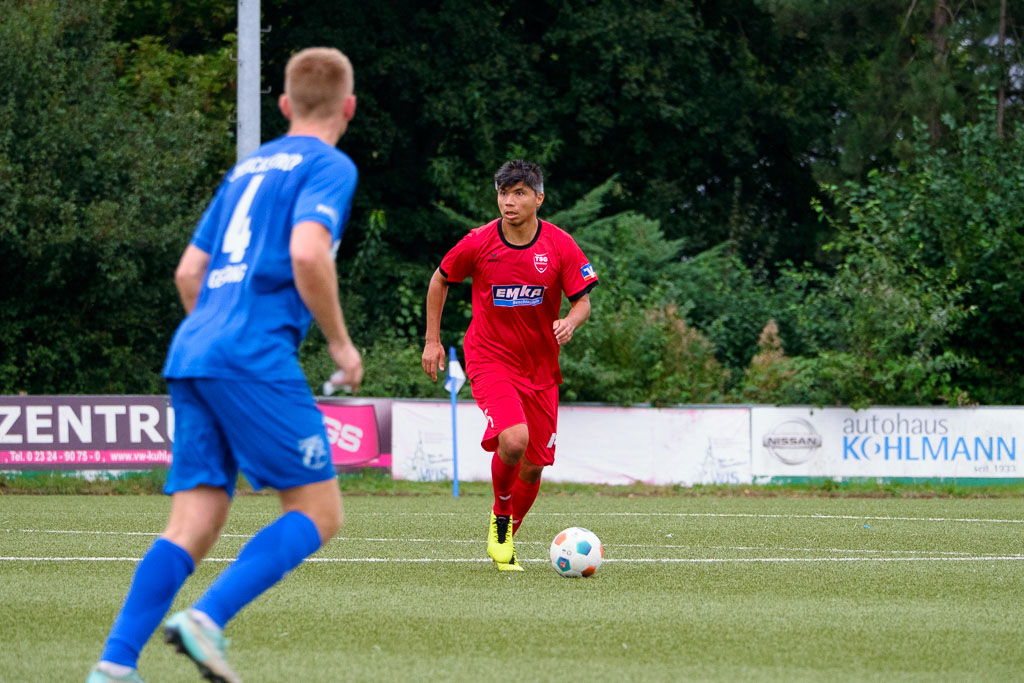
(710, 118)
(899, 59)
(925, 301)
(107, 154)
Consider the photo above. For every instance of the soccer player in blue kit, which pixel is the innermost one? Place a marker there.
(259, 267)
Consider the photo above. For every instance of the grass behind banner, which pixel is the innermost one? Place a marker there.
(710, 588)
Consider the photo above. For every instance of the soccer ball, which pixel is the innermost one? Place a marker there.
(576, 552)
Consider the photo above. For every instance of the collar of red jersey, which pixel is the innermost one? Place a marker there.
(529, 244)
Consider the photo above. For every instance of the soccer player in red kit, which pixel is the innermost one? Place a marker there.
(520, 266)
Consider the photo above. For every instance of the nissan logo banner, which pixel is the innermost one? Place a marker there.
(919, 443)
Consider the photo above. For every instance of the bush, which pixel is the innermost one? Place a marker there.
(107, 156)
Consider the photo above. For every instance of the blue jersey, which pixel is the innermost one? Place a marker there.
(249, 319)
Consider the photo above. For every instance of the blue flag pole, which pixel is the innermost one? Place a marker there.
(454, 389)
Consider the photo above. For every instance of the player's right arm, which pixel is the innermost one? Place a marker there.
(189, 275)
(317, 281)
(433, 351)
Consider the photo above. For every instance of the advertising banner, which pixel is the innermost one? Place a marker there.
(352, 433)
(917, 443)
(595, 444)
(136, 432)
(615, 445)
(421, 441)
(85, 432)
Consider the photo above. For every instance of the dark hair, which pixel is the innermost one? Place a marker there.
(517, 170)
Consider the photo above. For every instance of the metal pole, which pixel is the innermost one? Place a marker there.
(248, 129)
(452, 359)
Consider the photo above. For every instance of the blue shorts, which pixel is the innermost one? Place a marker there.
(272, 432)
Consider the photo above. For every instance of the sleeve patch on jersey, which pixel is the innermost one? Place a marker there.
(587, 272)
(328, 211)
(517, 295)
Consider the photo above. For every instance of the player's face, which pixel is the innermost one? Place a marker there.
(518, 204)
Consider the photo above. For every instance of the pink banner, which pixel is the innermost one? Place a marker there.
(352, 432)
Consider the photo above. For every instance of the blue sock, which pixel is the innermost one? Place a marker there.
(273, 552)
(163, 569)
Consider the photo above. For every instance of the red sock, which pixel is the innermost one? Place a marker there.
(523, 495)
(503, 477)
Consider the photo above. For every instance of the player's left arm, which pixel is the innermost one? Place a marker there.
(579, 311)
(316, 279)
(577, 278)
(189, 275)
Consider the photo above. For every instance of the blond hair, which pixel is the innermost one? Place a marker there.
(317, 80)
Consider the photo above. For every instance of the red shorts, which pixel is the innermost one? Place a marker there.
(506, 403)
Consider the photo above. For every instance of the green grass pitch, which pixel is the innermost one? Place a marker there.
(718, 589)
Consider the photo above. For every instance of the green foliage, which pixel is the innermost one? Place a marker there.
(891, 61)
(923, 305)
(188, 26)
(391, 368)
(106, 155)
(641, 355)
(687, 130)
(725, 300)
(772, 377)
(633, 256)
(677, 99)
(637, 346)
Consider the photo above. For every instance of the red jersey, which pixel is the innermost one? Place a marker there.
(517, 294)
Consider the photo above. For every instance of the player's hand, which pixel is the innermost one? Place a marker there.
(563, 330)
(433, 358)
(348, 360)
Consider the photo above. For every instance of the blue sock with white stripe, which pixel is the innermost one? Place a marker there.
(273, 552)
(160, 574)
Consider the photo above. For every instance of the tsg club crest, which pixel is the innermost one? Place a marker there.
(314, 452)
(540, 262)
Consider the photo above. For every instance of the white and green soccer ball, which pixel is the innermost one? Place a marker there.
(576, 552)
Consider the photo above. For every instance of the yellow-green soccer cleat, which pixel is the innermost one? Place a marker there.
(499, 539)
(512, 565)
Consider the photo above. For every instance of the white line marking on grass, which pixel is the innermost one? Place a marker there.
(777, 516)
(91, 559)
(722, 560)
(768, 547)
(623, 560)
(232, 559)
(650, 546)
(108, 533)
(751, 515)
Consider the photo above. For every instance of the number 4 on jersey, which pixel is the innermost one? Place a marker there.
(236, 239)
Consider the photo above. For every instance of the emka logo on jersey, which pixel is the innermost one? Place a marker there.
(540, 262)
(587, 272)
(517, 295)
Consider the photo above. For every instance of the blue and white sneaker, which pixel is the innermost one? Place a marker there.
(102, 674)
(204, 646)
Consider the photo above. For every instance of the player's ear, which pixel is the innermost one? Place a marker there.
(540, 199)
(349, 108)
(285, 106)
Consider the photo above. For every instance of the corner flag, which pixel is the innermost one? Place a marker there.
(456, 378)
